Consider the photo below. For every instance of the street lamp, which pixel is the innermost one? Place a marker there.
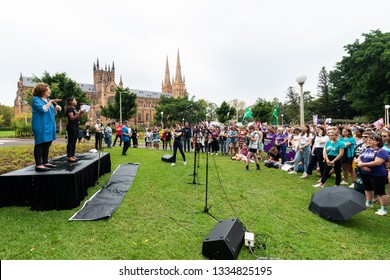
(162, 120)
(183, 121)
(387, 114)
(120, 106)
(282, 118)
(301, 79)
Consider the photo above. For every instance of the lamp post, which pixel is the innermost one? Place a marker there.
(183, 121)
(301, 79)
(282, 118)
(387, 114)
(162, 120)
(120, 106)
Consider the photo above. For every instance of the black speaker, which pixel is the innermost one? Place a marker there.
(224, 242)
(167, 158)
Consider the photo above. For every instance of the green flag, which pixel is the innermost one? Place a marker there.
(248, 114)
(275, 115)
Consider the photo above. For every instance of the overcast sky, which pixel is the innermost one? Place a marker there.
(228, 49)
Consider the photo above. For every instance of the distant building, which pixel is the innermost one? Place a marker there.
(103, 88)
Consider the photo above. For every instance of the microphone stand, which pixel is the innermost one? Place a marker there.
(99, 150)
(195, 153)
(206, 207)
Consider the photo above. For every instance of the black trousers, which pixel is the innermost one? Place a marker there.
(98, 141)
(72, 139)
(120, 140)
(126, 145)
(337, 170)
(187, 144)
(317, 158)
(41, 153)
(178, 145)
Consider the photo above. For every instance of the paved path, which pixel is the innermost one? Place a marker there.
(17, 142)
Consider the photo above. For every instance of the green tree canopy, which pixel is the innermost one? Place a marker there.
(225, 112)
(363, 76)
(62, 87)
(6, 114)
(129, 106)
(262, 110)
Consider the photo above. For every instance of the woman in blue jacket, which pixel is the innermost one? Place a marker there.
(43, 125)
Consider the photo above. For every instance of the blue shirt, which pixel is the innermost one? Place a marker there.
(369, 155)
(349, 151)
(43, 121)
(333, 149)
(126, 137)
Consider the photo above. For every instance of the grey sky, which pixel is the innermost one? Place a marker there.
(228, 49)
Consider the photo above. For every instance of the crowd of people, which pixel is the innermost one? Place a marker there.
(356, 154)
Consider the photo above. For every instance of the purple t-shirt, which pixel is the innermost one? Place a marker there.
(280, 137)
(369, 155)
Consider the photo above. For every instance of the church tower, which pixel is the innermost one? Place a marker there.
(178, 87)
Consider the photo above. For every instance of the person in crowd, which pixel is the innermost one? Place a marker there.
(233, 138)
(87, 133)
(294, 138)
(168, 139)
(304, 149)
(214, 141)
(317, 151)
(80, 135)
(178, 144)
(253, 146)
(274, 158)
(118, 134)
(108, 136)
(243, 137)
(333, 154)
(374, 174)
(350, 143)
(261, 145)
(72, 127)
(281, 142)
(187, 135)
(134, 137)
(43, 125)
(126, 134)
(162, 137)
(198, 139)
(148, 138)
(156, 138)
(222, 139)
(242, 155)
(385, 134)
(99, 131)
(358, 185)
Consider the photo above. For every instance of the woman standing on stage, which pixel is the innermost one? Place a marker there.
(43, 125)
(72, 127)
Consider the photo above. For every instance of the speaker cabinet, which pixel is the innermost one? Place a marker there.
(224, 242)
(167, 158)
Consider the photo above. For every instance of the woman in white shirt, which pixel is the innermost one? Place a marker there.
(317, 151)
(304, 144)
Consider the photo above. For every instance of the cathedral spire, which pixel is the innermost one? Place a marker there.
(97, 64)
(178, 77)
(120, 80)
(167, 79)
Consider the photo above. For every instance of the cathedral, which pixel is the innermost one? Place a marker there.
(103, 88)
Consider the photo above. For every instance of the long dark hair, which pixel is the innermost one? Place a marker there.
(69, 101)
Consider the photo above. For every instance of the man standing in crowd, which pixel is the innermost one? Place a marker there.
(187, 137)
(118, 134)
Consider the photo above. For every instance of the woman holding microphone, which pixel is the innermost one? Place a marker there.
(72, 127)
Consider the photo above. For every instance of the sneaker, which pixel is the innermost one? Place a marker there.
(369, 204)
(304, 176)
(173, 164)
(381, 212)
(344, 183)
(318, 185)
(292, 172)
(185, 163)
(246, 169)
(319, 180)
(351, 186)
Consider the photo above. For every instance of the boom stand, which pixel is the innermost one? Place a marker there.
(206, 207)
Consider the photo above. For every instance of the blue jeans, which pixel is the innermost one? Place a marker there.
(298, 157)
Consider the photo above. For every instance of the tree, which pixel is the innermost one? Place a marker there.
(323, 92)
(6, 113)
(262, 110)
(240, 106)
(129, 106)
(225, 112)
(363, 76)
(62, 87)
(291, 106)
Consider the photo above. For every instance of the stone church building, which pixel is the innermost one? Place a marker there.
(103, 88)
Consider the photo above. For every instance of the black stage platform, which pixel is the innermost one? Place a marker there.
(64, 187)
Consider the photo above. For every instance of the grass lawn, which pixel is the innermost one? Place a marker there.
(8, 133)
(162, 218)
